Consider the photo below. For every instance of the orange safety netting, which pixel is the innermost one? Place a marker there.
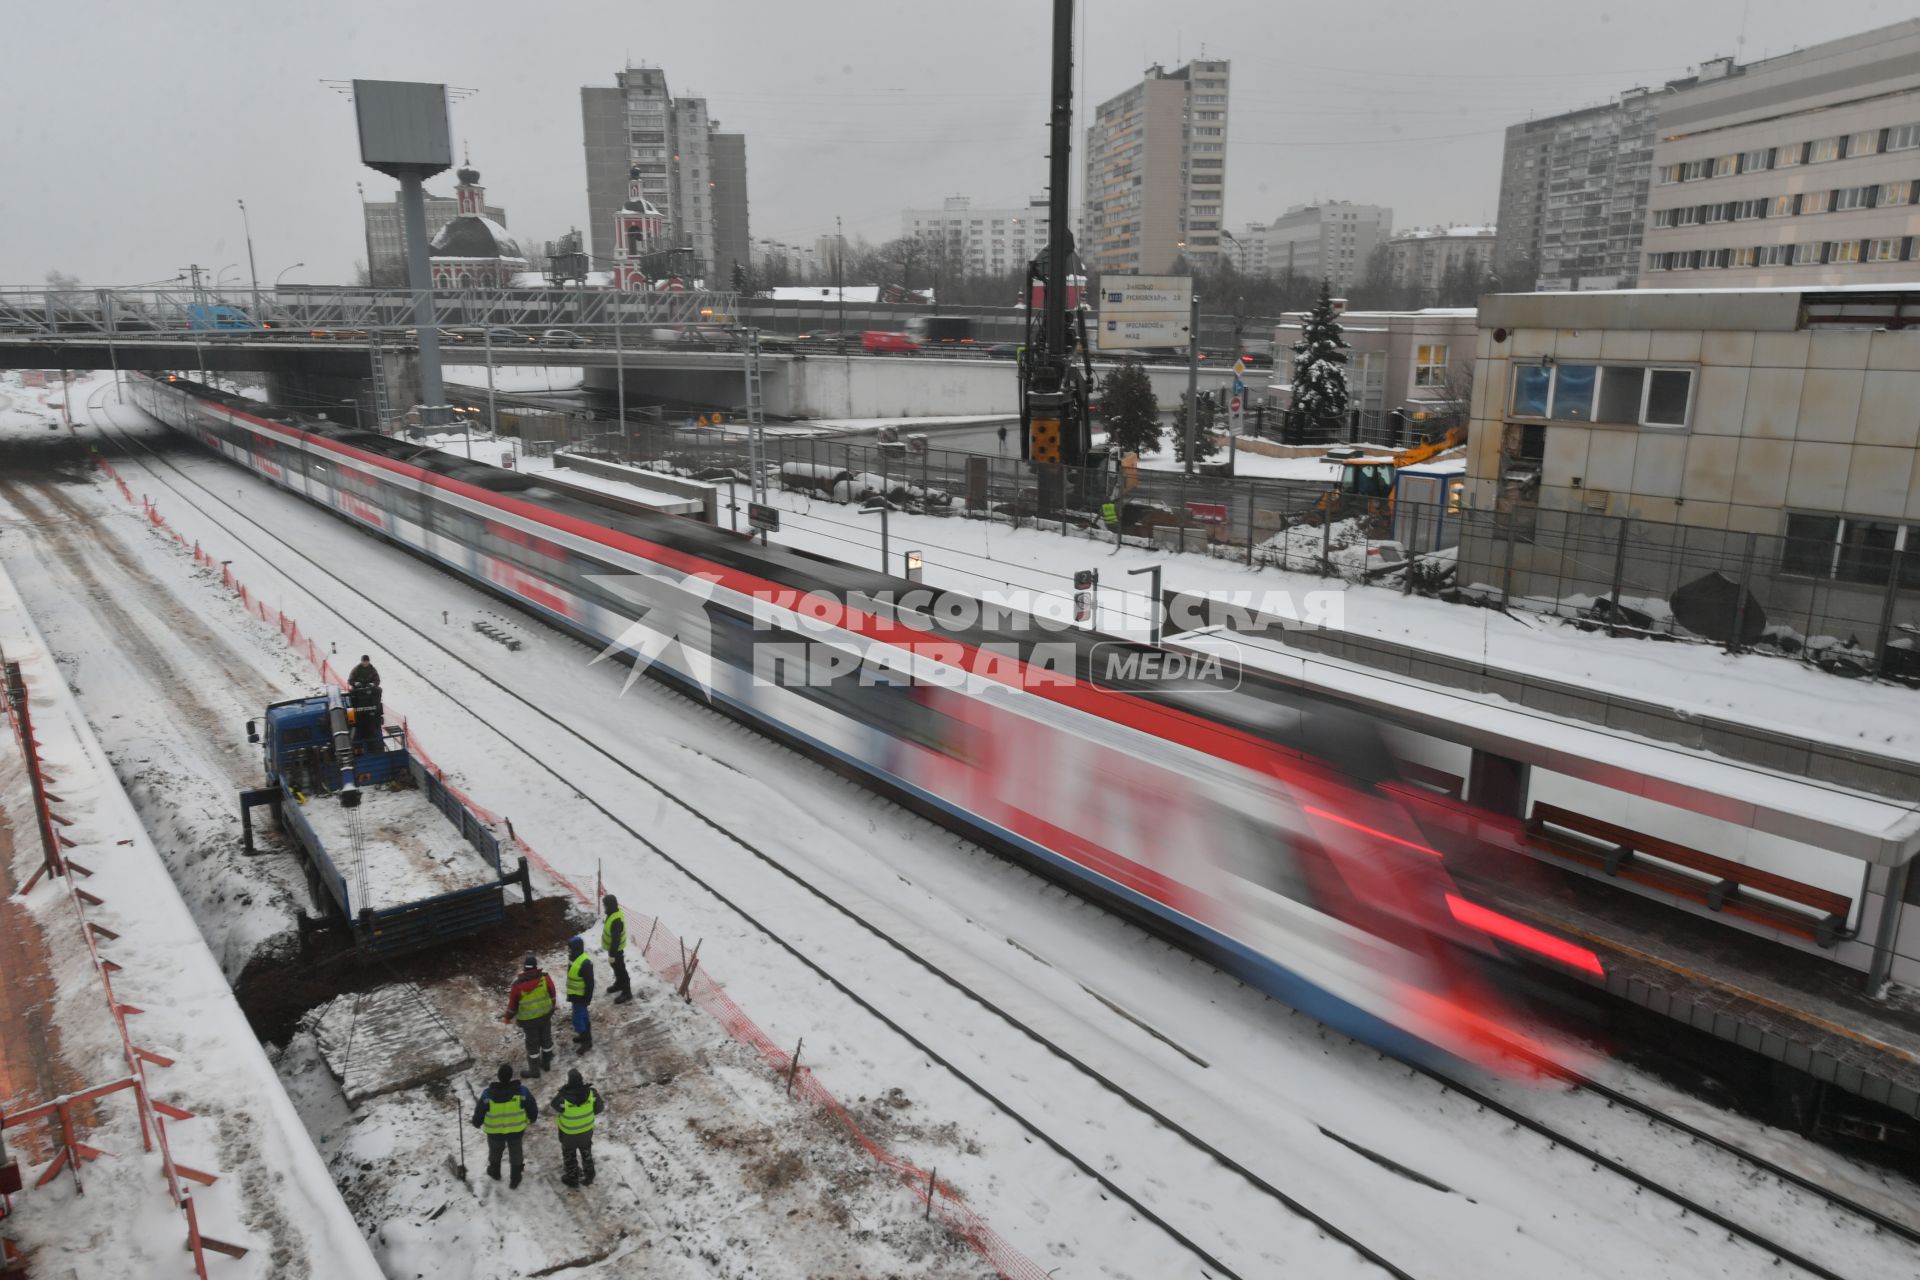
(666, 955)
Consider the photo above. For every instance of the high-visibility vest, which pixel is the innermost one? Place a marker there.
(574, 1119)
(576, 981)
(505, 1117)
(535, 1002)
(619, 917)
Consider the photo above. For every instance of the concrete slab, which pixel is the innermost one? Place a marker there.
(385, 1040)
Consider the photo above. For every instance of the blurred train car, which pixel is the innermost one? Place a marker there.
(1248, 823)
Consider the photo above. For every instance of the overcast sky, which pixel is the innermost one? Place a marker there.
(132, 126)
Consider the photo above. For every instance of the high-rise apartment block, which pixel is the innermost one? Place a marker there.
(689, 169)
(1796, 170)
(1423, 257)
(1328, 241)
(1573, 194)
(1156, 172)
(963, 239)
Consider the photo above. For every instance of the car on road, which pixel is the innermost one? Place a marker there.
(884, 342)
(562, 338)
(500, 333)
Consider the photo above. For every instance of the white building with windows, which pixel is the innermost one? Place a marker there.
(1156, 176)
(1787, 414)
(1330, 241)
(964, 240)
(1420, 361)
(1423, 257)
(1797, 170)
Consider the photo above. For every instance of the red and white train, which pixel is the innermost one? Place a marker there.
(1250, 824)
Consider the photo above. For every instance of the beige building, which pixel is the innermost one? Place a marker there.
(1796, 170)
(1421, 361)
(1329, 241)
(1156, 175)
(1645, 434)
(1422, 258)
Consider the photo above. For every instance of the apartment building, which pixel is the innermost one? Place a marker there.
(1247, 250)
(691, 170)
(983, 241)
(1573, 193)
(1423, 257)
(1798, 170)
(1156, 172)
(1329, 241)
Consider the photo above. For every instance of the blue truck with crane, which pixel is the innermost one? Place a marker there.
(394, 858)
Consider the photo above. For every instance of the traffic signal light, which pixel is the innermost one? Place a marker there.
(1086, 579)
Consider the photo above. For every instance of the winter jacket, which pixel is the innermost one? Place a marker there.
(504, 1091)
(363, 673)
(575, 1094)
(579, 973)
(530, 980)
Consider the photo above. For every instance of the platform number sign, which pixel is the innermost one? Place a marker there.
(762, 518)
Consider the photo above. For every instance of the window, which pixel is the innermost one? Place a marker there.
(1809, 545)
(1726, 166)
(1669, 174)
(1854, 198)
(1787, 157)
(1776, 255)
(1663, 217)
(1430, 365)
(1843, 251)
(1754, 161)
(1815, 201)
(1884, 250)
(1742, 257)
(1686, 217)
(1716, 213)
(1742, 210)
(1867, 548)
(1892, 193)
(1634, 395)
(1823, 149)
(1657, 261)
(1694, 170)
(1864, 143)
(1903, 138)
(1808, 253)
(1782, 206)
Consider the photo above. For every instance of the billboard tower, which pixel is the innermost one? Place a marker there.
(404, 134)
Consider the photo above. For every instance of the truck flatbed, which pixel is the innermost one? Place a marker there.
(409, 850)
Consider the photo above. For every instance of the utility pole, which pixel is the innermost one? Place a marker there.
(252, 271)
(1193, 377)
(840, 275)
(620, 365)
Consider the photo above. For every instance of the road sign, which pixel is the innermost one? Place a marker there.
(1144, 311)
(763, 518)
(1207, 512)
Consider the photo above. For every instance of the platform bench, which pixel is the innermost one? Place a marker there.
(1692, 874)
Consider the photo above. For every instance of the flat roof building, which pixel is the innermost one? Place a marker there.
(1795, 170)
(1328, 241)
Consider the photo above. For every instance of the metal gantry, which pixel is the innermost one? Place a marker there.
(756, 416)
(148, 309)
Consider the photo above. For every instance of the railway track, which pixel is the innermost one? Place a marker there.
(154, 461)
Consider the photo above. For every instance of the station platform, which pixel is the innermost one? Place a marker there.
(1793, 1006)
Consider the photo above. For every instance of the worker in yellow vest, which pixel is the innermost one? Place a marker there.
(574, 1109)
(503, 1112)
(613, 944)
(580, 992)
(530, 1003)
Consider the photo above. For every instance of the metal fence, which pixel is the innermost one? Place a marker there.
(1850, 602)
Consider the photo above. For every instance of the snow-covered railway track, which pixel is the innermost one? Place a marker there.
(1697, 1205)
(165, 473)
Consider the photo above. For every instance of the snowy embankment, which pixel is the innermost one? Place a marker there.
(273, 1195)
(1205, 1050)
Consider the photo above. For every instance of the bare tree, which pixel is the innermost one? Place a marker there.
(905, 254)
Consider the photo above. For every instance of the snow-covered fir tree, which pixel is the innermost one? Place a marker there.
(1320, 363)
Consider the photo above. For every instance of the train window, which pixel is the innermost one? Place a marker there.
(1260, 854)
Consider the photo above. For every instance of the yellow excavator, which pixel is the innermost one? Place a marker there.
(1367, 482)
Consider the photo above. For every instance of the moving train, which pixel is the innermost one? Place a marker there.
(1249, 823)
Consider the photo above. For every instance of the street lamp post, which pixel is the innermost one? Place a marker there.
(283, 274)
(253, 272)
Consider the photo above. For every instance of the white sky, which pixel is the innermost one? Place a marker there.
(131, 128)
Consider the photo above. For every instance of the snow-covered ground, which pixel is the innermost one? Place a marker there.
(515, 377)
(1273, 1090)
(273, 1197)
